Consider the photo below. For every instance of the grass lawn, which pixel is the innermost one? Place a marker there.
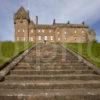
(91, 51)
(9, 50)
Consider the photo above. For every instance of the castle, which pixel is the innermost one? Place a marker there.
(27, 30)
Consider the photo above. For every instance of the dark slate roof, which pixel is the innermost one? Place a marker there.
(44, 26)
(70, 25)
(62, 25)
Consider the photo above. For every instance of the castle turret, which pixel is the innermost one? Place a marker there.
(21, 22)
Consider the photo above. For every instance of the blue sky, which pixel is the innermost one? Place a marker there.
(62, 10)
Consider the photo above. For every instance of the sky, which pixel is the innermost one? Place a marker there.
(76, 11)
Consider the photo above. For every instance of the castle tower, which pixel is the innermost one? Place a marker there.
(21, 23)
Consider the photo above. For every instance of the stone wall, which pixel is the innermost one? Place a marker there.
(27, 30)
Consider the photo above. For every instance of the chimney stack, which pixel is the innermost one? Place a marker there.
(36, 20)
(83, 23)
(54, 21)
(68, 22)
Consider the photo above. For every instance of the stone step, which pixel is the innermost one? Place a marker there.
(52, 67)
(50, 72)
(23, 64)
(57, 59)
(75, 64)
(50, 84)
(64, 63)
(49, 63)
(28, 64)
(52, 61)
(54, 77)
(50, 94)
(55, 56)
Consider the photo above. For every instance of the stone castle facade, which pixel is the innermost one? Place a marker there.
(27, 30)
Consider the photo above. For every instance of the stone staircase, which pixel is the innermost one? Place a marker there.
(49, 72)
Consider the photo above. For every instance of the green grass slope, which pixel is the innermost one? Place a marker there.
(91, 51)
(9, 50)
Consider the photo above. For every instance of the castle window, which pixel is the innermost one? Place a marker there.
(39, 37)
(51, 37)
(18, 30)
(24, 39)
(82, 31)
(49, 31)
(65, 32)
(31, 39)
(75, 31)
(58, 39)
(43, 31)
(32, 31)
(58, 32)
(39, 31)
(45, 38)
(23, 30)
(17, 38)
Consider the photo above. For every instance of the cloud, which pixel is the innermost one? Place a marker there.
(63, 10)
